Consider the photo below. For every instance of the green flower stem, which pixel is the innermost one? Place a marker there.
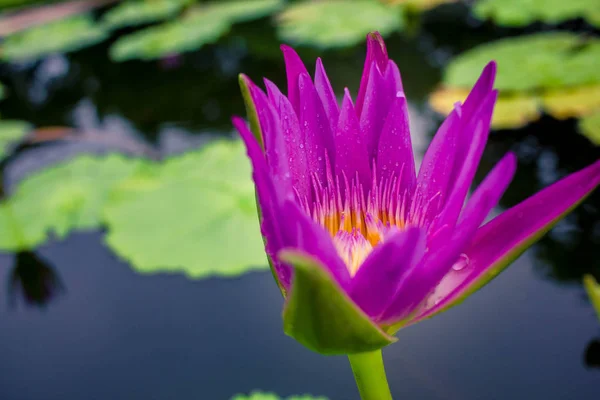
(369, 374)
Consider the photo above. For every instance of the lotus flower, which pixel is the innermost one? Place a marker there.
(360, 243)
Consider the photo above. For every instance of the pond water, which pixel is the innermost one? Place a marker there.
(111, 333)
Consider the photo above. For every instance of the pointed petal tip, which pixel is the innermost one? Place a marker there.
(376, 50)
(491, 68)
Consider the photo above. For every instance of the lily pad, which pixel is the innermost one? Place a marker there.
(10, 133)
(533, 62)
(589, 126)
(419, 5)
(201, 26)
(140, 12)
(337, 23)
(551, 72)
(572, 102)
(64, 35)
(237, 10)
(194, 214)
(272, 396)
(64, 197)
(593, 290)
(512, 111)
(10, 237)
(521, 13)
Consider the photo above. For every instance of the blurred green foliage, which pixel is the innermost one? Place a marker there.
(64, 35)
(132, 13)
(65, 197)
(539, 61)
(205, 198)
(593, 290)
(525, 12)
(337, 23)
(590, 127)
(555, 72)
(10, 133)
(201, 25)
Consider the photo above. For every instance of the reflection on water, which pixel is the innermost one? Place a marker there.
(33, 280)
(592, 354)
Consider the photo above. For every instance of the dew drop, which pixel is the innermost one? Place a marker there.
(301, 146)
(462, 262)
(399, 93)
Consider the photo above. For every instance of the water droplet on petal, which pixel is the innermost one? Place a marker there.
(301, 146)
(462, 262)
(399, 93)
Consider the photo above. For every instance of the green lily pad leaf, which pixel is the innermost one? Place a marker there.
(9, 231)
(65, 35)
(172, 38)
(589, 126)
(521, 13)
(511, 111)
(337, 23)
(572, 102)
(273, 396)
(541, 61)
(140, 12)
(199, 27)
(194, 214)
(419, 5)
(321, 316)
(65, 197)
(10, 133)
(237, 10)
(593, 290)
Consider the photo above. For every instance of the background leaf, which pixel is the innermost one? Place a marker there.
(64, 35)
(11, 132)
(64, 197)
(139, 12)
(593, 290)
(525, 12)
(200, 26)
(589, 126)
(510, 111)
(195, 214)
(538, 61)
(337, 23)
(551, 72)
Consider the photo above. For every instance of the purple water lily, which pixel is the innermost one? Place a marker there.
(360, 243)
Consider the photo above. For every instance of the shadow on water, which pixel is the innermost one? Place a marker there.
(33, 280)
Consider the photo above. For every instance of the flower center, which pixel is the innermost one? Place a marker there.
(357, 221)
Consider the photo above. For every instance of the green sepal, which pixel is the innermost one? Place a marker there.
(321, 316)
(593, 290)
(251, 112)
(252, 116)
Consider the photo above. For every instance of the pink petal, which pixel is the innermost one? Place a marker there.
(394, 153)
(377, 279)
(293, 68)
(350, 151)
(503, 239)
(326, 95)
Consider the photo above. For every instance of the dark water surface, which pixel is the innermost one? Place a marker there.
(114, 334)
